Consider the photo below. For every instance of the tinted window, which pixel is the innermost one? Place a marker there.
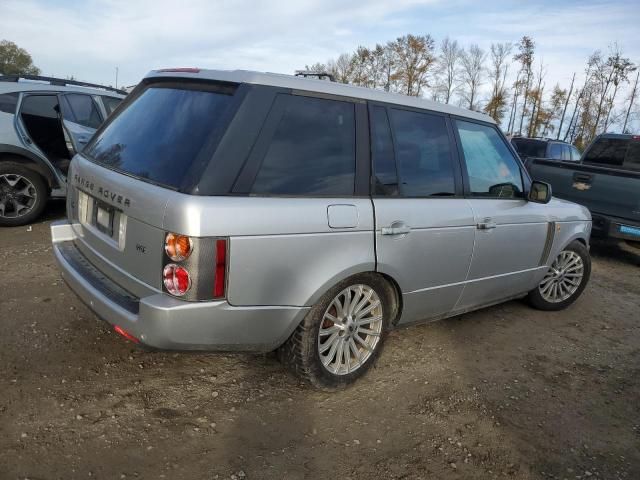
(8, 102)
(607, 151)
(384, 168)
(312, 150)
(110, 104)
(575, 153)
(81, 109)
(492, 169)
(632, 159)
(45, 106)
(423, 153)
(555, 151)
(529, 148)
(160, 135)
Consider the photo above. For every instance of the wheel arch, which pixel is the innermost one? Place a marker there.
(11, 153)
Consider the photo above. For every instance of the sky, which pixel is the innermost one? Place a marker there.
(90, 38)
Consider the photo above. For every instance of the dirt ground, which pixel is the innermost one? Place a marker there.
(506, 392)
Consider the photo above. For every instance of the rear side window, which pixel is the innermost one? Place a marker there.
(575, 153)
(632, 159)
(312, 151)
(491, 168)
(384, 167)
(555, 151)
(609, 152)
(8, 102)
(110, 104)
(162, 133)
(81, 109)
(423, 154)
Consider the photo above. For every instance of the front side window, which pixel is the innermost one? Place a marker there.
(423, 154)
(491, 168)
(81, 109)
(110, 103)
(312, 151)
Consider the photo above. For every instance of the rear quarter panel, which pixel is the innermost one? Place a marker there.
(282, 250)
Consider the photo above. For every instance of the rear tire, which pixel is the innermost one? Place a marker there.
(564, 282)
(341, 336)
(23, 195)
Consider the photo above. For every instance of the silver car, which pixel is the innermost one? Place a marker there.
(233, 210)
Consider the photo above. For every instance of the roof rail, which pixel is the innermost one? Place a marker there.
(59, 82)
(315, 74)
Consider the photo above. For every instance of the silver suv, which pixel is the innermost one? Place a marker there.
(44, 121)
(246, 211)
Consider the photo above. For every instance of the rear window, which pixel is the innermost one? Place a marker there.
(162, 134)
(615, 152)
(529, 148)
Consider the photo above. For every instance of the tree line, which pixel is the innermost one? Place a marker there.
(506, 82)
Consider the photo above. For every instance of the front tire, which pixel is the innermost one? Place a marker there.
(565, 280)
(342, 335)
(23, 195)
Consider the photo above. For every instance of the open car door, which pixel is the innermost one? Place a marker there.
(80, 118)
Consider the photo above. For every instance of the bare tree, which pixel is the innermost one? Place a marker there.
(498, 77)
(526, 49)
(609, 73)
(414, 56)
(341, 68)
(447, 81)
(631, 101)
(566, 104)
(471, 75)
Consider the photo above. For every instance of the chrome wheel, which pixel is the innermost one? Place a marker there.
(351, 329)
(563, 278)
(18, 195)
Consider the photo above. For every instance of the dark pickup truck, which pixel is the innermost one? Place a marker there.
(606, 181)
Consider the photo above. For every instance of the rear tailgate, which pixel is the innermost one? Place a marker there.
(118, 221)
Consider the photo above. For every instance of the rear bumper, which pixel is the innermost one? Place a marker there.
(613, 227)
(161, 321)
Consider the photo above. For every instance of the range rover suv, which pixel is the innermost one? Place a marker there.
(233, 210)
(44, 121)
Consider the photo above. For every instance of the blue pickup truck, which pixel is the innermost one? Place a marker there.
(606, 180)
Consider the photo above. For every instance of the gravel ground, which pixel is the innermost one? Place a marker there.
(505, 392)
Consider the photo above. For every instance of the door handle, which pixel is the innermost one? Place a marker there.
(582, 177)
(396, 229)
(487, 224)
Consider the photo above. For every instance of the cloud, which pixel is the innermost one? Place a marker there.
(88, 39)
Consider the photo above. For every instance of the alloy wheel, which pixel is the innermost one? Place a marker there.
(18, 195)
(351, 329)
(563, 278)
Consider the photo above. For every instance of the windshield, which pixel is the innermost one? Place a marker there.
(160, 135)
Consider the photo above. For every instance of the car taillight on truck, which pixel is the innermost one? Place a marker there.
(195, 269)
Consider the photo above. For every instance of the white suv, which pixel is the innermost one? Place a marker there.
(44, 121)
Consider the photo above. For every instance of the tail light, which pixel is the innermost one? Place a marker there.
(176, 279)
(220, 280)
(178, 247)
(195, 269)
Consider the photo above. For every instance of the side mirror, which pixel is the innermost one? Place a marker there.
(540, 192)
